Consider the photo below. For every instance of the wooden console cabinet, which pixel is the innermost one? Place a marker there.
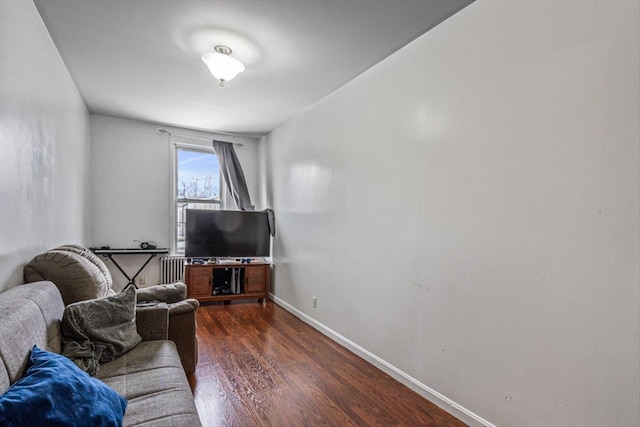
(251, 280)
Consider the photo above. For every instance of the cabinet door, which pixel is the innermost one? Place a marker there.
(200, 282)
(254, 279)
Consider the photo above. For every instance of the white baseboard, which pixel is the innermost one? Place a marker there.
(423, 390)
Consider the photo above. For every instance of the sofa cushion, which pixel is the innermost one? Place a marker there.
(76, 277)
(100, 330)
(151, 378)
(29, 315)
(55, 392)
(95, 259)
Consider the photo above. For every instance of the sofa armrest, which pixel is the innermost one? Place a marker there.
(169, 293)
(182, 331)
(183, 306)
(152, 321)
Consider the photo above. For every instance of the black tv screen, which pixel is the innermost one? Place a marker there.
(218, 234)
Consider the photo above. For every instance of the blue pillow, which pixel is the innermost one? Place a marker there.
(55, 392)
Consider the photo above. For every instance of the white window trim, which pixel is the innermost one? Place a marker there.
(176, 144)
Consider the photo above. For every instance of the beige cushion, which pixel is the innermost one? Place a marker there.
(151, 379)
(81, 250)
(77, 278)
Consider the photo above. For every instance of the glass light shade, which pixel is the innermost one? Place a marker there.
(223, 67)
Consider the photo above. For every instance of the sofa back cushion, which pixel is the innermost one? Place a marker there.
(95, 259)
(29, 315)
(77, 278)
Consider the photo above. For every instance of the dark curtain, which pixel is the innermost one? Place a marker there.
(233, 175)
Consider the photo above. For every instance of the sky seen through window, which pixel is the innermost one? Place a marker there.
(198, 174)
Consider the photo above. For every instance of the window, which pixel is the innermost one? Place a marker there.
(197, 185)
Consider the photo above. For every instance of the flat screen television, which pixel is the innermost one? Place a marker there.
(221, 234)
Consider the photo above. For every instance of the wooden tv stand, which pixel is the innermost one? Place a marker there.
(254, 280)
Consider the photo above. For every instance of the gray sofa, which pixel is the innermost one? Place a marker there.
(81, 275)
(150, 376)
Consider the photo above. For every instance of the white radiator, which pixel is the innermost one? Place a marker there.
(172, 269)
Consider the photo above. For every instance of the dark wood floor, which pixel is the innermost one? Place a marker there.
(261, 366)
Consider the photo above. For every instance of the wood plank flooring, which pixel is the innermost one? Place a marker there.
(261, 366)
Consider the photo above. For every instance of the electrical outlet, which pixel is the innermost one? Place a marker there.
(140, 281)
(315, 302)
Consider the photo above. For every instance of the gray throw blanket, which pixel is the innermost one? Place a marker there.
(100, 330)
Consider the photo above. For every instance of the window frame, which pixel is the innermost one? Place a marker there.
(178, 144)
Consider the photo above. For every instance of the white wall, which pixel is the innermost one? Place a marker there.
(131, 186)
(468, 211)
(43, 144)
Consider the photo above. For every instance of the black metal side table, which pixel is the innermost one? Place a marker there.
(109, 253)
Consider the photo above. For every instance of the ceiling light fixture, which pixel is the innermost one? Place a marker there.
(222, 66)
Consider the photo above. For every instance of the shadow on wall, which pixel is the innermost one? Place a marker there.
(11, 265)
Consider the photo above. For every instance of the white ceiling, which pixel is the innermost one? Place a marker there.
(140, 59)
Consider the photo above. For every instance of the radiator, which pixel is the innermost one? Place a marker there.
(172, 269)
